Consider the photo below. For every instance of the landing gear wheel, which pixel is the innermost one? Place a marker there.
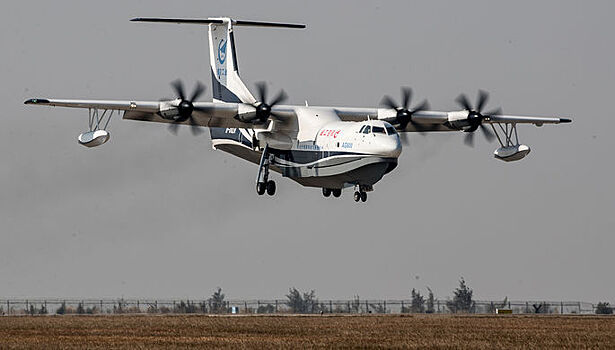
(270, 187)
(363, 196)
(260, 188)
(357, 196)
(337, 192)
(326, 192)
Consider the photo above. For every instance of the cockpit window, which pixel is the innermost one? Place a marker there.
(367, 129)
(391, 130)
(378, 130)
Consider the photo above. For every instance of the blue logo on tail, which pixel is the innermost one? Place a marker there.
(222, 51)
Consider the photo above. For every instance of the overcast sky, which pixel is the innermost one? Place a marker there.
(153, 215)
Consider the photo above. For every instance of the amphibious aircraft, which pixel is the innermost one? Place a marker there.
(330, 148)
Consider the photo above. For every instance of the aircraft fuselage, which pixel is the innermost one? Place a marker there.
(333, 154)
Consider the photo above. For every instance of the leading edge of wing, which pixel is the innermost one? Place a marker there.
(224, 109)
(141, 106)
(514, 119)
(208, 114)
(229, 110)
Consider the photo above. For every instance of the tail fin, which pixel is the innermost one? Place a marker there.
(226, 83)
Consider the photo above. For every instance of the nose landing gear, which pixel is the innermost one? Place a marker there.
(263, 184)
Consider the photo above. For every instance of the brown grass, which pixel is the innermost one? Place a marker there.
(425, 331)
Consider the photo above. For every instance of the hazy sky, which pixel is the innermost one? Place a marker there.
(153, 215)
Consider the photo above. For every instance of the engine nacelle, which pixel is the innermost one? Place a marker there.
(93, 138)
(171, 113)
(246, 113)
(458, 120)
(512, 153)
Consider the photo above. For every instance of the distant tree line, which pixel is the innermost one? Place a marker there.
(307, 302)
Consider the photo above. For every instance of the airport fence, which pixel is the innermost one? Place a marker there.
(49, 306)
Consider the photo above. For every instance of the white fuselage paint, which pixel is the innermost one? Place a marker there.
(322, 147)
(359, 152)
(322, 130)
(347, 137)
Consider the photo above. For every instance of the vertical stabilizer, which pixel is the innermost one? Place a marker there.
(226, 83)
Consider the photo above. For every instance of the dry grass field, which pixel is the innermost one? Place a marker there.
(424, 331)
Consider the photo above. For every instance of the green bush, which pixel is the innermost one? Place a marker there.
(462, 301)
(604, 309)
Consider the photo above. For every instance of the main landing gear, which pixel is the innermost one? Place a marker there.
(262, 187)
(360, 196)
(360, 193)
(263, 184)
(336, 192)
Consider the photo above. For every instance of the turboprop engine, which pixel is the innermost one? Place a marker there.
(180, 110)
(260, 111)
(475, 117)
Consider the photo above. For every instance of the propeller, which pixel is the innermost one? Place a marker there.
(476, 116)
(186, 107)
(404, 113)
(263, 108)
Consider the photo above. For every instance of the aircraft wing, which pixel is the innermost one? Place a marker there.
(538, 121)
(215, 114)
(429, 120)
(207, 114)
(436, 120)
(141, 106)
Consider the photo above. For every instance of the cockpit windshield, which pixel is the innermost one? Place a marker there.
(378, 130)
(366, 129)
(387, 130)
(391, 130)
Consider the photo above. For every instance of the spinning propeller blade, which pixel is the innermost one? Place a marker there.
(482, 99)
(178, 86)
(185, 108)
(406, 96)
(263, 108)
(404, 113)
(476, 117)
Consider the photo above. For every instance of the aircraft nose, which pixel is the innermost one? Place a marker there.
(392, 148)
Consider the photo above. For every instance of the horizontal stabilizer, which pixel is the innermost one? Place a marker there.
(219, 21)
(269, 24)
(177, 20)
